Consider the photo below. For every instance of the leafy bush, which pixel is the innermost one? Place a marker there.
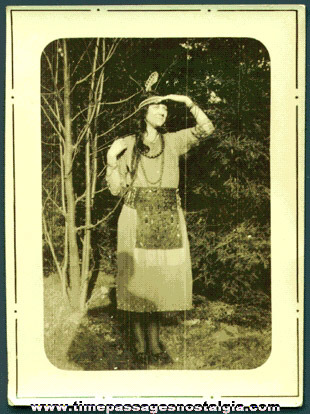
(232, 265)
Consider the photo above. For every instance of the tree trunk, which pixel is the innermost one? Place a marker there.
(74, 263)
(88, 186)
(87, 239)
(64, 266)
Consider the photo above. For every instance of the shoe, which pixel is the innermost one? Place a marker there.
(141, 359)
(161, 358)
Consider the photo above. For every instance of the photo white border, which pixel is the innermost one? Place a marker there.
(32, 378)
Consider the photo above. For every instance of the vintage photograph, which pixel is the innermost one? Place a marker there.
(156, 203)
(154, 167)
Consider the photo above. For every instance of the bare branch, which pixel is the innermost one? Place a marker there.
(81, 112)
(49, 143)
(84, 130)
(57, 163)
(96, 104)
(122, 100)
(115, 126)
(106, 103)
(79, 198)
(101, 172)
(92, 96)
(110, 54)
(65, 261)
(81, 57)
(55, 186)
(50, 244)
(87, 76)
(196, 212)
(95, 141)
(54, 77)
(53, 201)
(113, 48)
(54, 113)
(48, 90)
(106, 218)
(138, 83)
(44, 205)
(57, 65)
(49, 63)
(88, 55)
(90, 114)
(46, 167)
(81, 135)
(62, 178)
(61, 273)
(106, 145)
(59, 127)
(53, 125)
(101, 190)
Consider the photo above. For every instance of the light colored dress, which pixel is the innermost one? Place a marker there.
(151, 280)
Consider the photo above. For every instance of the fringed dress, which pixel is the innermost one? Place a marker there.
(153, 256)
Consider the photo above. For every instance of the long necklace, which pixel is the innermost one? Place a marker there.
(158, 181)
(144, 153)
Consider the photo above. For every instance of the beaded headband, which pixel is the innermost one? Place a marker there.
(151, 100)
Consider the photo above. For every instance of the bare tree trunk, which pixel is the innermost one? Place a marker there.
(88, 185)
(87, 236)
(95, 141)
(64, 267)
(74, 265)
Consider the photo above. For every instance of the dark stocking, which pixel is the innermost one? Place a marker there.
(139, 332)
(153, 333)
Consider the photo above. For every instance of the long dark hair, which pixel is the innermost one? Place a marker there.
(140, 129)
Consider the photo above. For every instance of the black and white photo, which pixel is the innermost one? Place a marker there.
(154, 204)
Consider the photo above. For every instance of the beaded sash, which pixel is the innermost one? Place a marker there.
(158, 222)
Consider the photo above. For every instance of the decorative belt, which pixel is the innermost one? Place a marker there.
(158, 222)
(153, 198)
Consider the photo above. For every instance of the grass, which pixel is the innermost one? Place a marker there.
(213, 335)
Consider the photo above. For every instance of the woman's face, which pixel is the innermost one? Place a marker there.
(156, 115)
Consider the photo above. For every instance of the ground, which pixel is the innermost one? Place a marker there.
(214, 335)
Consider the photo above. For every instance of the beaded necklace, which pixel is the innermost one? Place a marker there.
(158, 181)
(144, 153)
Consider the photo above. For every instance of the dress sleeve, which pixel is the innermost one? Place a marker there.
(116, 178)
(185, 139)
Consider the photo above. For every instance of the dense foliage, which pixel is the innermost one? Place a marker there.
(224, 182)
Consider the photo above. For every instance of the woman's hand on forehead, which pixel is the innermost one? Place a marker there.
(179, 98)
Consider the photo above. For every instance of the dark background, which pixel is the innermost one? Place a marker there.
(225, 181)
(4, 407)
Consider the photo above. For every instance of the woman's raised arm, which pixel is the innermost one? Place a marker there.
(201, 118)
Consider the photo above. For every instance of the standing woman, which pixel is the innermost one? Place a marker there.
(153, 257)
